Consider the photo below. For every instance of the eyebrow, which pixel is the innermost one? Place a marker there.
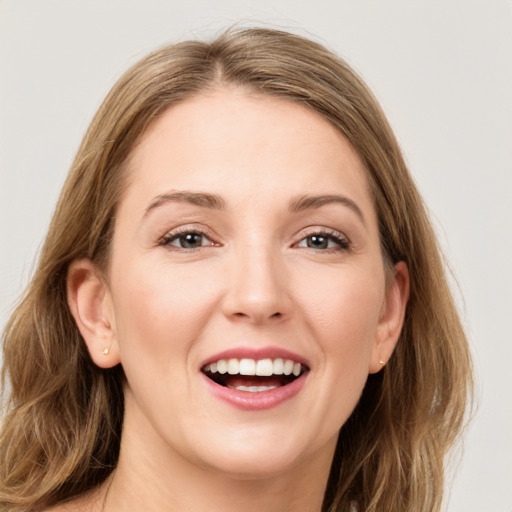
(201, 199)
(307, 202)
(216, 202)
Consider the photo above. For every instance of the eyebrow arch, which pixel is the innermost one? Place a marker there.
(201, 199)
(307, 202)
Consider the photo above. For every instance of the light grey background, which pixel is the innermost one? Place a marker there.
(443, 72)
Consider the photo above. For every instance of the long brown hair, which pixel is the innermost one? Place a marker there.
(60, 436)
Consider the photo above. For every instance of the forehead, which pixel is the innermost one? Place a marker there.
(239, 144)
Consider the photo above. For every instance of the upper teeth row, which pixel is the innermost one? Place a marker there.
(262, 367)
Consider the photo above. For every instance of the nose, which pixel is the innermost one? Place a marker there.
(258, 288)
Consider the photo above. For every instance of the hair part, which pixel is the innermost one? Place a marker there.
(61, 435)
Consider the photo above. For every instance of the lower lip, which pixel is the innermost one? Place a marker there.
(256, 401)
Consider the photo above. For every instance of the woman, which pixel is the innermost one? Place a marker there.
(240, 303)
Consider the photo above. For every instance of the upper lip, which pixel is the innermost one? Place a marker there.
(256, 354)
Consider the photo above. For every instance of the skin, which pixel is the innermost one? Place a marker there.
(256, 281)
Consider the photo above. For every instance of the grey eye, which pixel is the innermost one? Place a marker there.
(317, 242)
(190, 240)
(320, 241)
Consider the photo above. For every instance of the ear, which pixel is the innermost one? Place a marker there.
(91, 305)
(391, 319)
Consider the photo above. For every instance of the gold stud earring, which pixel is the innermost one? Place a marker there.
(106, 351)
(381, 362)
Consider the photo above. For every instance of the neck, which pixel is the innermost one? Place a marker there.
(214, 493)
(157, 479)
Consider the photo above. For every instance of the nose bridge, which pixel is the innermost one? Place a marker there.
(257, 288)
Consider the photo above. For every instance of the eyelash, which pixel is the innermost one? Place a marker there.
(167, 239)
(342, 243)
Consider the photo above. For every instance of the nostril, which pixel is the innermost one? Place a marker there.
(257, 316)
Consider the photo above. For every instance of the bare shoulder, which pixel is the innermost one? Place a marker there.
(89, 503)
(64, 507)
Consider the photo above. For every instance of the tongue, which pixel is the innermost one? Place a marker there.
(234, 381)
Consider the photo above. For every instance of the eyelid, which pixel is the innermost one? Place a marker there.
(174, 233)
(344, 243)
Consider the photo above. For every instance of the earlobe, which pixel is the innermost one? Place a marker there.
(91, 306)
(392, 318)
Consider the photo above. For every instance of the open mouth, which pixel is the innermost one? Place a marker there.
(254, 375)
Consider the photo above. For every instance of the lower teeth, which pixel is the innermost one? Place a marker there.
(252, 389)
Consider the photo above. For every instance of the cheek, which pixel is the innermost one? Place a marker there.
(343, 306)
(342, 315)
(160, 310)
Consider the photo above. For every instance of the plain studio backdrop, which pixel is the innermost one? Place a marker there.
(443, 73)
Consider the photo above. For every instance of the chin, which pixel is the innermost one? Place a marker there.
(245, 468)
(258, 453)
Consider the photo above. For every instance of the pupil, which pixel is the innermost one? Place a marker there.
(191, 240)
(317, 242)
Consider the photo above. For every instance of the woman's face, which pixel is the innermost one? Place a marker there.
(246, 247)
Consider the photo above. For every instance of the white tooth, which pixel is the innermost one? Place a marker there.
(233, 366)
(278, 367)
(247, 367)
(296, 369)
(266, 388)
(222, 366)
(288, 367)
(213, 367)
(253, 389)
(264, 367)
